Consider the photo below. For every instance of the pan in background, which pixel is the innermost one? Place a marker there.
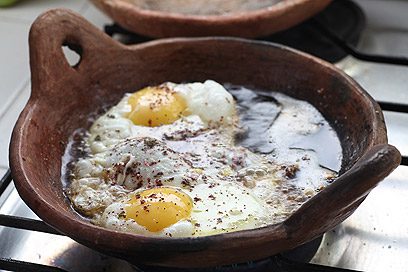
(192, 18)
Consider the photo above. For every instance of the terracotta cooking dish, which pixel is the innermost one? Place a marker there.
(63, 97)
(181, 18)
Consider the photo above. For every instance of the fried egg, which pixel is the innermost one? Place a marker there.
(165, 161)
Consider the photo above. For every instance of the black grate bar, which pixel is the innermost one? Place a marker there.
(20, 266)
(391, 106)
(115, 29)
(286, 265)
(404, 160)
(26, 224)
(354, 52)
(5, 181)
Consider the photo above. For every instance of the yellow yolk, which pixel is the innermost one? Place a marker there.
(159, 208)
(156, 106)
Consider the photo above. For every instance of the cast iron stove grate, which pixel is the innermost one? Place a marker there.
(326, 36)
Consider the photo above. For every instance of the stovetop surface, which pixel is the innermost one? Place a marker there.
(374, 238)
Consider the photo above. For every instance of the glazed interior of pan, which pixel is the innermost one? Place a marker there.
(63, 97)
(187, 18)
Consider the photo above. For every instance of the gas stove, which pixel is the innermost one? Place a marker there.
(368, 39)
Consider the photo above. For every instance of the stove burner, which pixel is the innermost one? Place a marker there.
(342, 17)
(80, 258)
(291, 261)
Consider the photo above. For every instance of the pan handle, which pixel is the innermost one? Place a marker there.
(339, 200)
(49, 33)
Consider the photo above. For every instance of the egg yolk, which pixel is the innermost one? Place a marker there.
(156, 106)
(158, 208)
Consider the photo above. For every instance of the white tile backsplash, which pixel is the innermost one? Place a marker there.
(96, 17)
(397, 128)
(7, 123)
(28, 10)
(14, 67)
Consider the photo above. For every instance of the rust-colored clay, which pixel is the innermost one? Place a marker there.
(256, 23)
(63, 97)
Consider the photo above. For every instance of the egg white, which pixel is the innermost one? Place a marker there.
(208, 102)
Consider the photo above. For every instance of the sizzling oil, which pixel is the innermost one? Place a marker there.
(273, 123)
